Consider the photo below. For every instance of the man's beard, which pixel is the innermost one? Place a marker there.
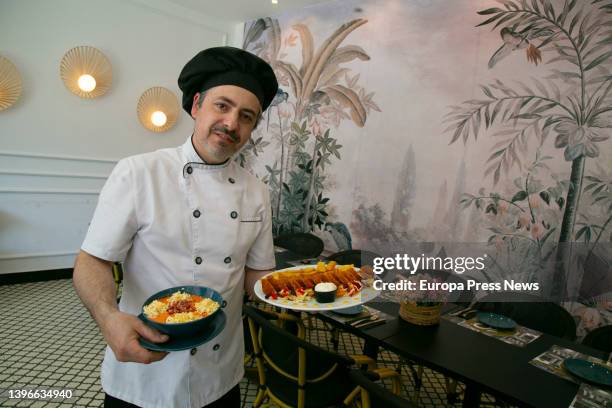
(221, 152)
(221, 129)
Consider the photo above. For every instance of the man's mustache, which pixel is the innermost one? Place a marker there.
(225, 131)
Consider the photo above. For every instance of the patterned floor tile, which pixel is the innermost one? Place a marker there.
(60, 347)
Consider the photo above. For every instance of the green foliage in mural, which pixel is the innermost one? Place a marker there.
(322, 94)
(524, 221)
(572, 103)
(598, 186)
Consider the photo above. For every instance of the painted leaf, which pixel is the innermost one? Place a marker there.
(255, 31)
(346, 54)
(598, 60)
(545, 196)
(560, 202)
(348, 98)
(331, 75)
(520, 196)
(313, 71)
(294, 78)
(489, 11)
(275, 35)
(307, 46)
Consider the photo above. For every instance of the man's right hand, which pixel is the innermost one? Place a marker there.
(93, 281)
(121, 332)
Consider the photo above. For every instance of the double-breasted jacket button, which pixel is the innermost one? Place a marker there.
(233, 214)
(189, 170)
(197, 213)
(231, 180)
(193, 351)
(198, 260)
(227, 260)
(216, 347)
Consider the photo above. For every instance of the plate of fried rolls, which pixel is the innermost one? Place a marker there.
(296, 288)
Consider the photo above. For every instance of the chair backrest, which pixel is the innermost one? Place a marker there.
(117, 274)
(600, 339)
(294, 365)
(302, 243)
(118, 278)
(357, 257)
(531, 311)
(597, 279)
(376, 395)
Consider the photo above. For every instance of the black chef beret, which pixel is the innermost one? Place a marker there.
(227, 66)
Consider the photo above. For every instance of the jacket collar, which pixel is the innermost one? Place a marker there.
(192, 158)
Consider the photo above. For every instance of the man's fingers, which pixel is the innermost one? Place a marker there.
(147, 356)
(156, 356)
(122, 331)
(134, 352)
(150, 334)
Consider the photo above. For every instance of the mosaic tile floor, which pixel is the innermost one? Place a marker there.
(59, 347)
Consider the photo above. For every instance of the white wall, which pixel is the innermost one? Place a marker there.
(57, 149)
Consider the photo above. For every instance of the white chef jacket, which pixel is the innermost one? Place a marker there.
(176, 221)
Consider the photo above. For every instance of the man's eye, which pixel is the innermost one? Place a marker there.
(247, 118)
(221, 106)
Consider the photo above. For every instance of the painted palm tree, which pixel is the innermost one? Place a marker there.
(579, 116)
(314, 85)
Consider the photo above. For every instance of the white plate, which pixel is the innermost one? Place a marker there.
(312, 305)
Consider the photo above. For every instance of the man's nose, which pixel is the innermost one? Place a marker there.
(230, 121)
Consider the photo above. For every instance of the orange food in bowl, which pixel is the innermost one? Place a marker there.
(180, 307)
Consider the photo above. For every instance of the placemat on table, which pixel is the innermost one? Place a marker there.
(367, 311)
(520, 336)
(591, 397)
(552, 361)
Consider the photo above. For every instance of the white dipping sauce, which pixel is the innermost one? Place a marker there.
(325, 287)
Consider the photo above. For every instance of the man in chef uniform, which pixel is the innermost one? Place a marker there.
(183, 216)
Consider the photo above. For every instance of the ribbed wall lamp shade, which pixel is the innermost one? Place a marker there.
(10, 84)
(158, 109)
(86, 72)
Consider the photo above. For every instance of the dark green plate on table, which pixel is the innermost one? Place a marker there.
(211, 331)
(496, 321)
(591, 372)
(350, 311)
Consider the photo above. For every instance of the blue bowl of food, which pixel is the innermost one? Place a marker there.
(183, 310)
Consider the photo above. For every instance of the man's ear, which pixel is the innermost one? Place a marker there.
(194, 105)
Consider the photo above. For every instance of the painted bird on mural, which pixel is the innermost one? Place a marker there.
(341, 235)
(518, 41)
(280, 97)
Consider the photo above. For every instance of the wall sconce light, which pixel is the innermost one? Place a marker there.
(10, 84)
(86, 72)
(158, 109)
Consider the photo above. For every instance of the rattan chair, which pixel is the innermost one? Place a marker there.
(295, 373)
(118, 278)
(307, 245)
(374, 395)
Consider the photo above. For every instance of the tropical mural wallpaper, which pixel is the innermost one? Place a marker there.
(424, 122)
